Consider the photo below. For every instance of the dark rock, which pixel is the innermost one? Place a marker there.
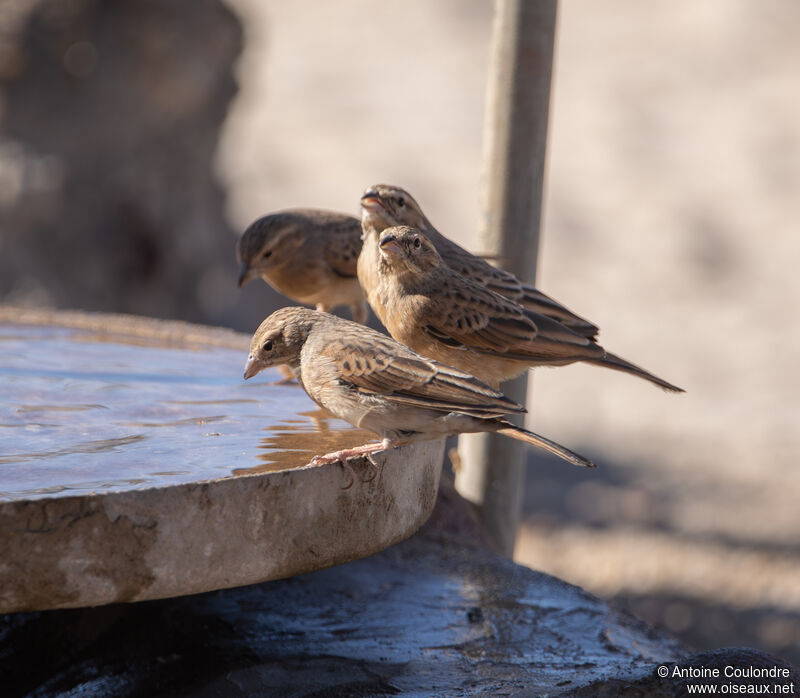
(427, 616)
(435, 615)
(730, 670)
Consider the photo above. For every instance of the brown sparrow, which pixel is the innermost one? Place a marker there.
(307, 255)
(375, 383)
(448, 317)
(384, 206)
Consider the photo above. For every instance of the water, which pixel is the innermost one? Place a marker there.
(81, 414)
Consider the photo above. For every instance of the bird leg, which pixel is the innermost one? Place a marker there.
(287, 375)
(359, 311)
(341, 457)
(345, 453)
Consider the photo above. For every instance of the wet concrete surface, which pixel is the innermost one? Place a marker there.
(83, 413)
(136, 463)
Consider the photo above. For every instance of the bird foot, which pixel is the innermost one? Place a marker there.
(341, 457)
(287, 376)
(373, 466)
(455, 459)
(345, 453)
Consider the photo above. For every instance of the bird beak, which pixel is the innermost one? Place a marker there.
(252, 367)
(371, 201)
(245, 274)
(390, 246)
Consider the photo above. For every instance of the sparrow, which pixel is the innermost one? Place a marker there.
(384, 206)
(378, 384)
(308, 255)
(446, 316)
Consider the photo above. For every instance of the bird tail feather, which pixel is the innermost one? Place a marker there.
(515, 432)
(619, 364)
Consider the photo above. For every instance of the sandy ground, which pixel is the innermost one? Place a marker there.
(671, 220)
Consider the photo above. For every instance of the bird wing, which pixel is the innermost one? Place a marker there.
(506, 284)
(343, 245)
(478, 269)
(376, 365)
(533, 299)
(461, 313)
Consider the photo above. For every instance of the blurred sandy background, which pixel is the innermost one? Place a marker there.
(671, 220)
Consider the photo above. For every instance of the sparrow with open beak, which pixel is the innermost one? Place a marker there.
(384, 206)
(376, 383)
(307, 255)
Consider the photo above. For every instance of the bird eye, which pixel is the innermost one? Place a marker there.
(267, 345)
(267, 254)
(401, 202)
(417, 243)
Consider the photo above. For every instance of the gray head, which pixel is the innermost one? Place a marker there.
(384, 206)
(268, 242)
(280, 339)
(405, 250)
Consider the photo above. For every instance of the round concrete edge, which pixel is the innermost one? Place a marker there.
(90, 550)
(128, 328)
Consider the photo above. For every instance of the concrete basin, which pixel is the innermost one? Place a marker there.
(135, 463)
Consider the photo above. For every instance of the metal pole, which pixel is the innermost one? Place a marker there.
(515, 134)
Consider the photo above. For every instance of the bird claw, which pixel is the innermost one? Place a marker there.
(373, 466)
(287, 376)
(328, 459)
(349, 468)
(342, 456)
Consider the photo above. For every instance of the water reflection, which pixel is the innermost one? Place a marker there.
(85, 412)
(175, 422)
(86, 447)
(292, 443)
(59, 408)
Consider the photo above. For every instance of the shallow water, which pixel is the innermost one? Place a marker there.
(80, 415)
